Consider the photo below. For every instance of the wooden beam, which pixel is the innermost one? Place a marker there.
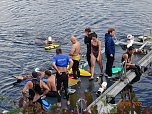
(117, 87)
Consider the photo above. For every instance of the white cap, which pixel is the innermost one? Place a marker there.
(37, 70)
(49, 38)
(129, 36)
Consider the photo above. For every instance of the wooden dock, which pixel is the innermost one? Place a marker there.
(116, 88)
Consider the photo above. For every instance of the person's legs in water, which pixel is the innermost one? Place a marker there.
(75, 69)
(93, 61)
(65, 84)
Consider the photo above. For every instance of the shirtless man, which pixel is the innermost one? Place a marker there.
(75, 54)
(50, 80)
(51, 83)
(60, 63)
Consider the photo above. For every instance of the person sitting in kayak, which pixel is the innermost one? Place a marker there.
(128, 57)
(49, 41)
(35, 89)
(51, 83)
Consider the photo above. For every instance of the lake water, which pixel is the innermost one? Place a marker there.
(25, 23)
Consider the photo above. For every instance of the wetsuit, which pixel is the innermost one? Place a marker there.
(62, 61)
(35, 90)
(136, 68)
(75, 67)
(87, 41)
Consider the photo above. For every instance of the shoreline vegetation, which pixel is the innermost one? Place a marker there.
(23, 106)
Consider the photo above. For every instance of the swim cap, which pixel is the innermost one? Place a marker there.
(37, 70)
(129, 36)
(49, 38)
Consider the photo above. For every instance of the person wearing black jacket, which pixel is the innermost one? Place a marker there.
(87, 41)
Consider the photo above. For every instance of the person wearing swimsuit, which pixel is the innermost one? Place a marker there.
(95, 54)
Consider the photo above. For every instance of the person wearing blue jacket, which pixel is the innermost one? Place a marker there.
(109, 50)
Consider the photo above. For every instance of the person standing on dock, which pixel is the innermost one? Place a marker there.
(127, 57)
(75, 54)
(109, 50)
(95, 54)
(60, 63)
(87, 41)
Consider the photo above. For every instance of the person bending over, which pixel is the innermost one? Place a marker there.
(35, 88)
(127, 57)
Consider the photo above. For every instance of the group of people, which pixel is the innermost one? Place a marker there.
(61, 61)
(94, 51)
(56, 83)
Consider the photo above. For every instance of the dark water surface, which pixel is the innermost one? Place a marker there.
(24, 22)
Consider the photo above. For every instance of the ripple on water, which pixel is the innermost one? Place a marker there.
(22, 21)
